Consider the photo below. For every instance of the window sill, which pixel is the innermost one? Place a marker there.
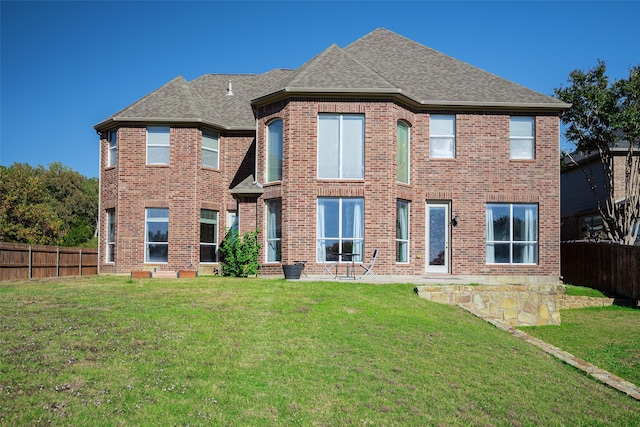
(210, 168)
(108, 168)
(523, 160)
(158, 165)
(512, 264)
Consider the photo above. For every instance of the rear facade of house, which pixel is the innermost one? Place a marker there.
(384, 144)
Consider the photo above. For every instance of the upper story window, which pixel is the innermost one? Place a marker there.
(341, 146)
(402, 153)
(442, 141)
(158, 145)
(274, 151)
(112, 156)
(522, 138)
(210, 149)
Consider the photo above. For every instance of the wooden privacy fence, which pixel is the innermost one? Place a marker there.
(609, 268)
(20, 261)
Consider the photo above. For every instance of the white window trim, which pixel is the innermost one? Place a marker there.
(340, 238)
(268, 203)
(215, 236)
(112, 141)
(111, 244)
(341, 147)
(433, 136)
(168, 145)
(511, 241)
(531, 139)
(268, 148)
(405, 124)
(215, 135)
(408, 239)
(147, 220)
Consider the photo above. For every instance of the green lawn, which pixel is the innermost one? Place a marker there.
(608, 337)
(249, 352)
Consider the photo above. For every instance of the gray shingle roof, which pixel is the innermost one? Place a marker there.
(380, 63)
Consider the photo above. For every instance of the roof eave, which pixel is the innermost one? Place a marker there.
(114, 121)
(409, 99)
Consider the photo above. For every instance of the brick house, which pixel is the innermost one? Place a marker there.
(580, 219)
(384, 144)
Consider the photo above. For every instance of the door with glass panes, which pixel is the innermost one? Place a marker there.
(437, 238)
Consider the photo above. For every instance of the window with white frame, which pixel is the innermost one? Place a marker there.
(232, 220)
(111, 235)
(402, 231)
(340, 229)
(274, 151)
(341, 146)
(512, 233)
(112, 157)
(522, 144)
(402, 153)
(442, 138)
(210, 149)
(158, 145)
(156, 235)
(274, 230)
(208, 236)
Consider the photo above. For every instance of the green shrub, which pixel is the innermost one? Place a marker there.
(239, 257)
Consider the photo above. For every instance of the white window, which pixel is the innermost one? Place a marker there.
(157, 145)
(232, 220)
(402, 231)
(274, 230)
(340, 229)
(156, 235)
(210, 149)
(512, 233)
(402, 153)
(522, 138)
(208, 236)
(112, 157)
(442, 141)
(274, 151)
(341, 146)
(111, 235)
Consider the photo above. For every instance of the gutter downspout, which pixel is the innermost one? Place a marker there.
(255, 166)
(99, 200)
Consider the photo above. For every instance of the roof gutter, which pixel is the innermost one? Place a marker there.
(410, 99)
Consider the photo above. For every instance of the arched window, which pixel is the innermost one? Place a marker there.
(274, 151)
(402, 153)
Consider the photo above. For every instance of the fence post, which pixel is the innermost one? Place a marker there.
(80, 269)
(30, 262)
(57, 261)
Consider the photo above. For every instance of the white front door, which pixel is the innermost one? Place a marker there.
(437, 255)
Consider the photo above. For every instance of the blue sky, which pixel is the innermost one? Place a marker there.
(65, 66)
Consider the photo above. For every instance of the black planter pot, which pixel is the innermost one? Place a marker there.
(292, 271)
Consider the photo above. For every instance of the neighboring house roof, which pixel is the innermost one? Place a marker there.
(382, 63)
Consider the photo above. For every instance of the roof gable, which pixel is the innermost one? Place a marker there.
(430, 77)
(380, 63)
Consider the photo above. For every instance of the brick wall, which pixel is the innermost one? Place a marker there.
(183, 186)
(480, 173)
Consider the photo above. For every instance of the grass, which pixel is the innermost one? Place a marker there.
(607, 337)
(582, 291)
(108, 351)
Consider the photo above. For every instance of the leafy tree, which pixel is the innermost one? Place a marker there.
(239, 257)
(604, 116)
(55, 206)
(26, 214)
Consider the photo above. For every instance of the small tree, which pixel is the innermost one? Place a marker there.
(239, 257)
(604, 116)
